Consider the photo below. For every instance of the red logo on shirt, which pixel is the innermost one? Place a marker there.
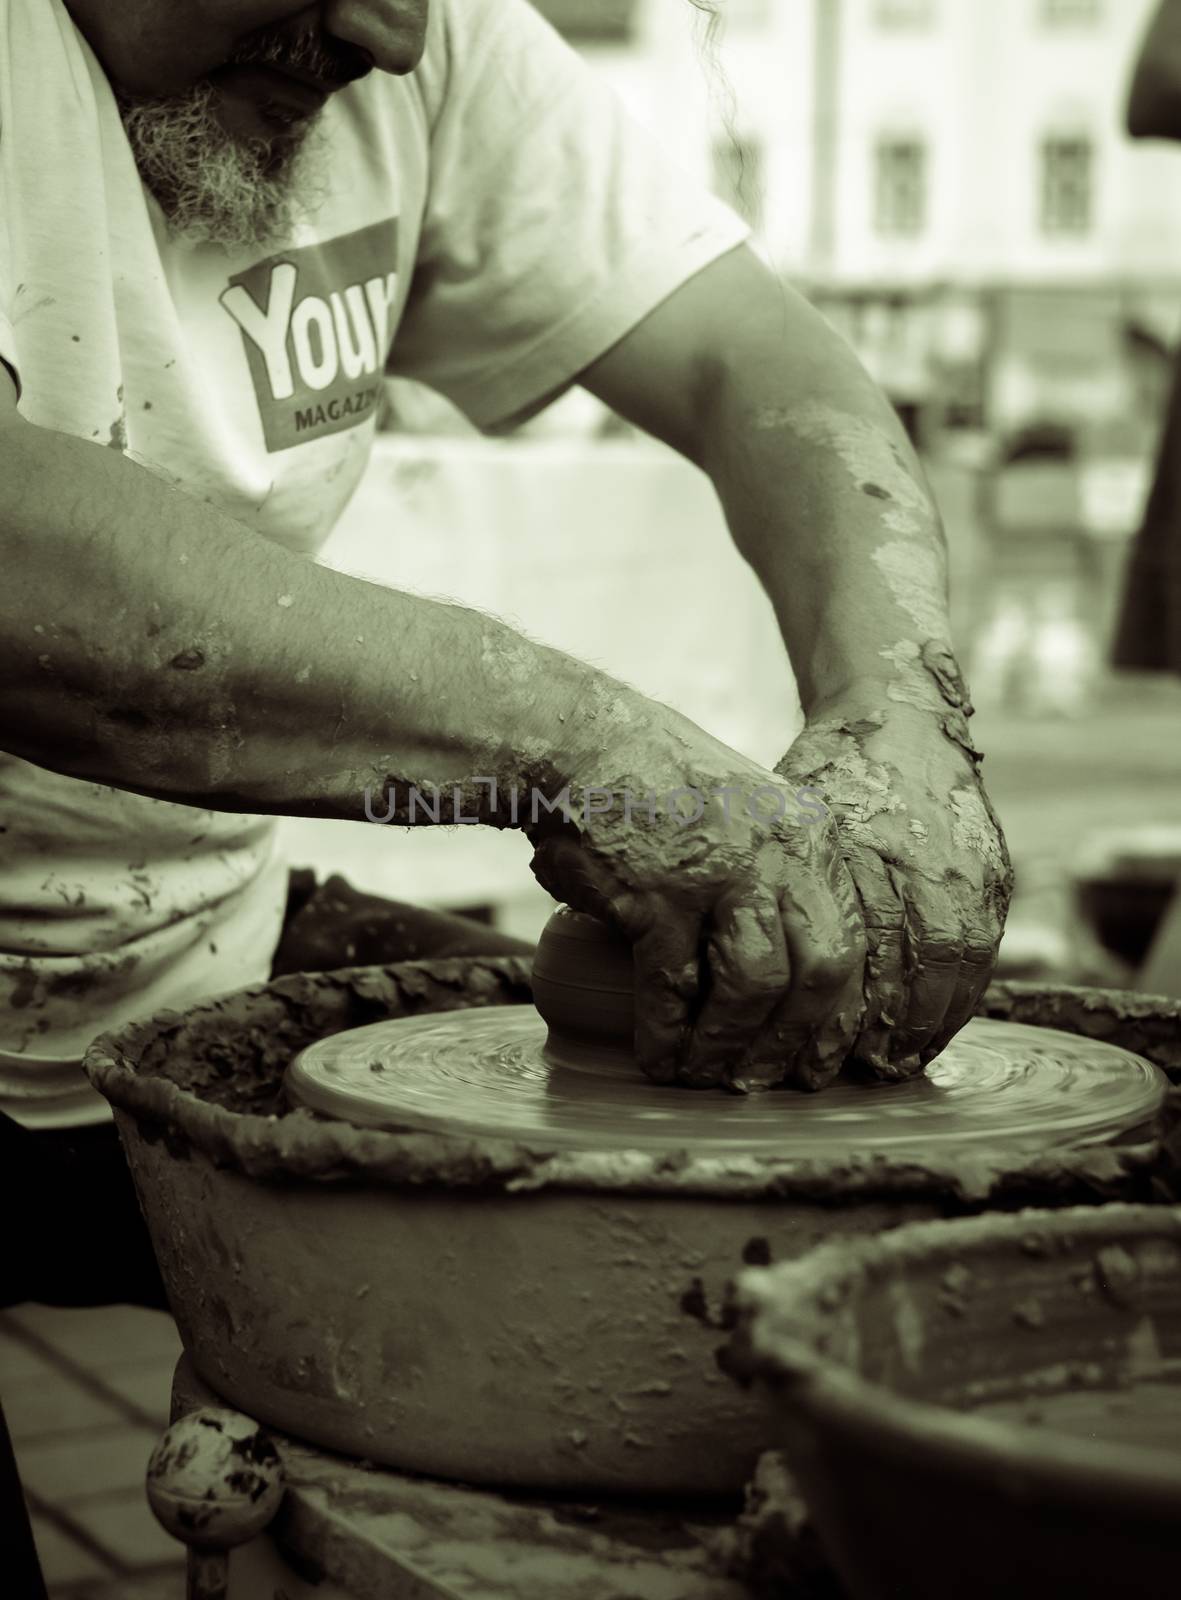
(315, 325)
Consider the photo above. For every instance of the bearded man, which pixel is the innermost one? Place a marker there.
(221, 223)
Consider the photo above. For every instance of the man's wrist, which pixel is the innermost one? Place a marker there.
(868, 710)
(924, 674)
(870, 696)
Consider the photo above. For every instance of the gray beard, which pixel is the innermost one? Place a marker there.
(215, 189)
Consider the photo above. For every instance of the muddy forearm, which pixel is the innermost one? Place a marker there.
(148, 642)
(827, 502)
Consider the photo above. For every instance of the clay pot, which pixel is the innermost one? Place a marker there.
(583, 985)
(900, 1372)
(476, 1310)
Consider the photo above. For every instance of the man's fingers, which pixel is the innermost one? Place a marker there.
(571, 874)
(936, 947)
(813, 1026)
(975, 971)
(885, 963)
(565, 870)
(667, 986)
(746, 975)
(665, 941)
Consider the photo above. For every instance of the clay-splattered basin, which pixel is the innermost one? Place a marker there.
(477, 1310)
(986, 1407)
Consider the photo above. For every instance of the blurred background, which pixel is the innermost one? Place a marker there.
(952, 185)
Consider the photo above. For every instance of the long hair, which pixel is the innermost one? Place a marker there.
(713, 15)
(712, 11)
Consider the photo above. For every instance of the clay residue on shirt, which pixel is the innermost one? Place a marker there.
(25, 304)
(39, 987)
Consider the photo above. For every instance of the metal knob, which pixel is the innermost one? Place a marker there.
(214, 1481)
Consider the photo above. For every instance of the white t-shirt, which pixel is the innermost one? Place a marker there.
(493, 223)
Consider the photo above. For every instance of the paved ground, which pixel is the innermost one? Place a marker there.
(86, 1392)
(86, 1397)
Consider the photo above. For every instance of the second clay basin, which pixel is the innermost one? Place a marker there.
(984, 1407)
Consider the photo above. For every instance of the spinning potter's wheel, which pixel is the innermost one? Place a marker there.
(485, 1072)
(571, 1085)
(517, 1312)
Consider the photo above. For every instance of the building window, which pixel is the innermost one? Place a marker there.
(1067, 184)
(1069, 13)
(739, 174)
(603, 22)
(904, 13)
(900, 187)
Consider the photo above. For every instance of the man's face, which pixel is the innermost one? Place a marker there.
(218, 96)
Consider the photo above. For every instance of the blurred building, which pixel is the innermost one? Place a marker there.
(732, 99)
(906, 141)
(985, 143)
(951, 183)
(949, 178)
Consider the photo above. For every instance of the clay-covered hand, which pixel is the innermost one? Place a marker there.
(927, 856)
(742, 915)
